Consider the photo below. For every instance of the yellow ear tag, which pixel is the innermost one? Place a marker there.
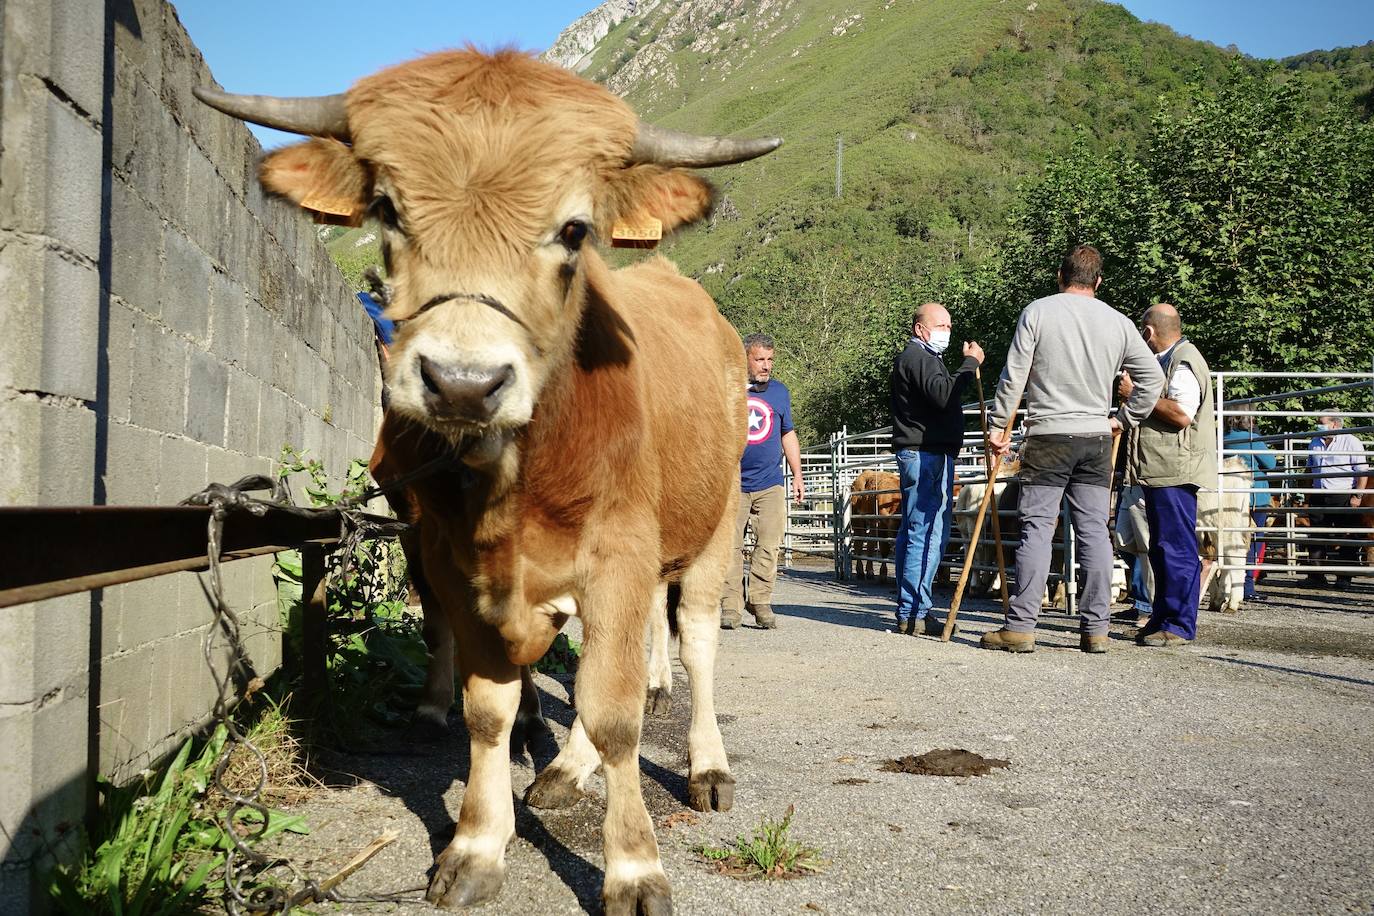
(645, 232)
(333, 211)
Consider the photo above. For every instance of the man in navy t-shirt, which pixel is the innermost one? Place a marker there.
(771, 436)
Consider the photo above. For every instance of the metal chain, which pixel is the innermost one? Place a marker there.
(354, 527)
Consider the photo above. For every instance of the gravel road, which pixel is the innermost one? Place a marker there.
(1231, 776)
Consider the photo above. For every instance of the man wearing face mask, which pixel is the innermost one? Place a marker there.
(1337, 461)
(927, 433)
(771, 436)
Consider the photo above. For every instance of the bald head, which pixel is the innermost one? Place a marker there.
(931, 315)
(1161, 326)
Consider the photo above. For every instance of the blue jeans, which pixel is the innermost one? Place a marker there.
(1140, 596)
(927, 509)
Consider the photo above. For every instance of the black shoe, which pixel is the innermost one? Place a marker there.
(906, 627)
(934, 626)
(1315, 580)
(1342, 582)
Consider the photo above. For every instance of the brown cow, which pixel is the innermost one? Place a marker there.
(595, 418)
(876, 510)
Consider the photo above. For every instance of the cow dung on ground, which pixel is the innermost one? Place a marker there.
(945, 762)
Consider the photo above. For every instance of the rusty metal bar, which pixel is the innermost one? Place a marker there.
(59, 550)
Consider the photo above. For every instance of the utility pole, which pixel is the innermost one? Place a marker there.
(839, 166)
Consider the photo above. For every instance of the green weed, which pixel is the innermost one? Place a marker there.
(771, 853)
(159, 843)
(562, 657)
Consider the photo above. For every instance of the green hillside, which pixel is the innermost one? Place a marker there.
(1340, 74)
(946, 110)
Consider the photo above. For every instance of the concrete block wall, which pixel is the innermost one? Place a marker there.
(166, 325)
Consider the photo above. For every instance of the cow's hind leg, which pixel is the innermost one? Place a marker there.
(709, 783)
(436, 698)
(472, 867)
(659, 700)
(531, 732)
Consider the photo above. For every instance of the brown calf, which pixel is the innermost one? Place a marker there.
(876, 502)
(595, 418)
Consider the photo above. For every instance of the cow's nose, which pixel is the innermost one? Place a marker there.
(458, 392)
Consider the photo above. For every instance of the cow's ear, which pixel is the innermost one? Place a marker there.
(320, 175)
(674, 197)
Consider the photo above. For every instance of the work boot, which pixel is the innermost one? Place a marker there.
(1093, 644)
(764, 616)
(934, 626)
(1161, 639)
(906, 627)
(1008, 641)
(729, 620)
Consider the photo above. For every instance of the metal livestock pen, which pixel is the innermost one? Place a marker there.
(822, 527)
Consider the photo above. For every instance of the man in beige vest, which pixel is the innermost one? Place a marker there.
(1172, 454)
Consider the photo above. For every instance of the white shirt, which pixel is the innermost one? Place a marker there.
(1183, 387)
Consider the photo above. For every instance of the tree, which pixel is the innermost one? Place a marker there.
(1245, 209)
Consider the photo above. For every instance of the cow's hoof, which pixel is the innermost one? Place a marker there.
(429, 724)
(553, 788)
(713, 790)
(647, 896)
(658, 702)
(461, 880)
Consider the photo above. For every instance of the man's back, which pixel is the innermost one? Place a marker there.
(1065, 355)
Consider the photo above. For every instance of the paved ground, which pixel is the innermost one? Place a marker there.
(1231, 776)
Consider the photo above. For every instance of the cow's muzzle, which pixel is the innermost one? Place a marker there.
(464, 393)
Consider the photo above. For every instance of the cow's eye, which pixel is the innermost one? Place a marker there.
(573, 234)
(385, 212)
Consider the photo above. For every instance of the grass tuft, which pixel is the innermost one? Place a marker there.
(159, 844)
(771, 853)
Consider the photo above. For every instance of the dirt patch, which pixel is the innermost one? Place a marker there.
(852, 781)
(945, 762)
(683, 818)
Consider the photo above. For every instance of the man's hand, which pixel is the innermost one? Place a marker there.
(1355, 499)
(798, 490)
(999, 442)
(1125, 386)
(1116, 426)
(971, 348)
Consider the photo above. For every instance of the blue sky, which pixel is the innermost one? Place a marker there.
(312, 48)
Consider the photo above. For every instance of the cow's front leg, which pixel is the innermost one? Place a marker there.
(659, 699)
(610, 704)
(471, 868)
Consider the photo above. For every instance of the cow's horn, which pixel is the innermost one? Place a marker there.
(315, 116)
(676, 149)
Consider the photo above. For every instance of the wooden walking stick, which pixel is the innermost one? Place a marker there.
(992, 482)
(973, 545)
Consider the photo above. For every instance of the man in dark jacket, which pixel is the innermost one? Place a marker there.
(927, 433)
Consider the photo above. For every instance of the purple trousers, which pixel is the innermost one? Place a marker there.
(1172, 513)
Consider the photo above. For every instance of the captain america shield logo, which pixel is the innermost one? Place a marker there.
(760, 420)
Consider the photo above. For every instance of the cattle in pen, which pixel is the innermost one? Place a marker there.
(875, 513)
(594, 418)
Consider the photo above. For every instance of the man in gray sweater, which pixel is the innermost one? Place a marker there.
(1064, 357)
